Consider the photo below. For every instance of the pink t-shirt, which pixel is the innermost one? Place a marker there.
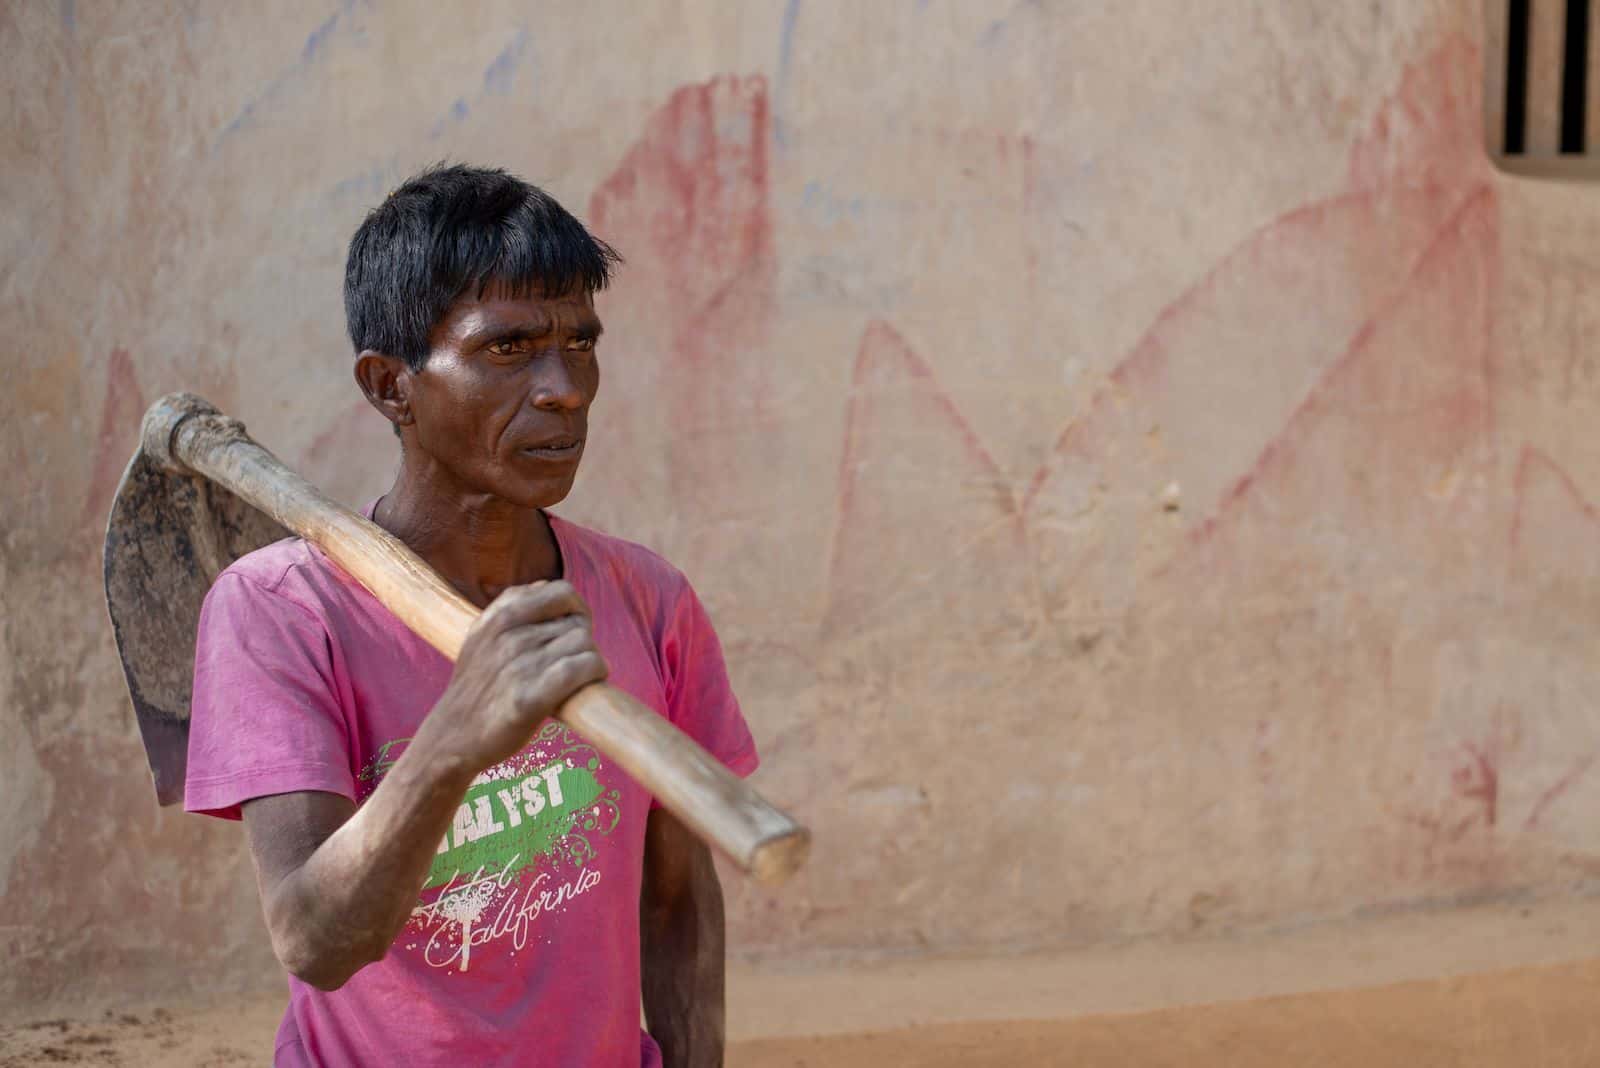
(524, 946)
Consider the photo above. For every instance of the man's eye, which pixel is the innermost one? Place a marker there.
(506, 348)
(581, 344)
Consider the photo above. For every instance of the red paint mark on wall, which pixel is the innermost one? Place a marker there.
(1429, 132)
(1391, 418)
(1346, 422)
(1348, 258)
(121, 412)
(914, 475)
(689, 209)
(1478, 779)
(688, 203)
(1300, 260)
(1556, 789)
(1414, 240)
(1550, 513)
(1476, 776)
(1553, 538)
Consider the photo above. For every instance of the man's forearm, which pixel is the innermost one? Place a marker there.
(344, 905)
(682, 966)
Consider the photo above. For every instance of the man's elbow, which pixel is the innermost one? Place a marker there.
(314, 962)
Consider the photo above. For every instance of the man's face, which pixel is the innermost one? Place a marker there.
(503, 401)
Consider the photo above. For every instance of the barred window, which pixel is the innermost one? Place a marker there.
(1539, 101)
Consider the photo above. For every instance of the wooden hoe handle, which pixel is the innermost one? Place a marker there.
(186, 433)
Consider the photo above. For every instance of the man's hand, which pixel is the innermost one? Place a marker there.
(530, 650)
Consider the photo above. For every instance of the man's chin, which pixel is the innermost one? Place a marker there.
(540, 493)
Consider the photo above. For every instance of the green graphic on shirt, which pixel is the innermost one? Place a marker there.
(545, 802)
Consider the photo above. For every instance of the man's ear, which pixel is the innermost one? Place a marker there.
(386, 382)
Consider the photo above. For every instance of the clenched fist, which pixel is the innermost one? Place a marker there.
(530, 650)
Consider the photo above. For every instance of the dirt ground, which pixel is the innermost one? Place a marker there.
(1430, 1001)
(1526, 1018)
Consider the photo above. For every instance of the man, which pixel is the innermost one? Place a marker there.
(449, 875)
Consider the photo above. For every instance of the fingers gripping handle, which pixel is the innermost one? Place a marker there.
(185, 433)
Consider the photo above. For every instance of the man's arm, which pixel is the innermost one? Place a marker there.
(681, 945)
(337, 883)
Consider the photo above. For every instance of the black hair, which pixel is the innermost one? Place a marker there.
(455, 228)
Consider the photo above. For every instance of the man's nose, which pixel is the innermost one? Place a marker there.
(553, 387)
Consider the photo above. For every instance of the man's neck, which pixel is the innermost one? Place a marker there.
(481, 544)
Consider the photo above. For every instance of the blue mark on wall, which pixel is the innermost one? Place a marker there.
(499, 75)
(791, 15)
(457, 114)
(498, 78)
(997, 30)
(373, 183)
(315, 47)
(992, 35)
(819, 204)
(318, 38)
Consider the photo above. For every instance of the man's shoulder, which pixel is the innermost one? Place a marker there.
(289, 569)
(625, 561)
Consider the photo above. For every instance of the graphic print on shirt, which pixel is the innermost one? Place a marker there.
(521, 846)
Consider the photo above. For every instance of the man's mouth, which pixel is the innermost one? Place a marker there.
(561, 448)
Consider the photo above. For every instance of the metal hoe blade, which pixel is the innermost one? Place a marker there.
(168, 538)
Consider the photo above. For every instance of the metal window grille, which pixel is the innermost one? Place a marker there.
(1540, 102)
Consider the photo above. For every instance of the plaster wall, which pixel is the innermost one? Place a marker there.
(1141, 464)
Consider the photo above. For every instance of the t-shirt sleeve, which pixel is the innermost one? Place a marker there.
(265, 716)
(700, 700)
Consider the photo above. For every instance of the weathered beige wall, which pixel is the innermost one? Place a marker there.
(1139, 455)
